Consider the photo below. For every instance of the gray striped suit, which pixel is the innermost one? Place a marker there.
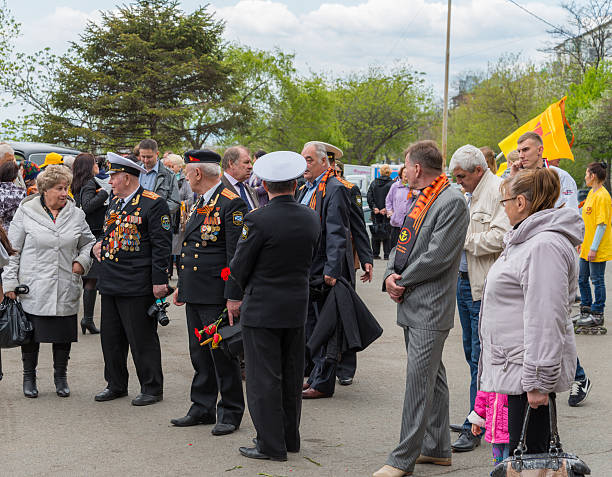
(427, 314)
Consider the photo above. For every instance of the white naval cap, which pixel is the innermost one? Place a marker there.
(123, 164)
(279, 166)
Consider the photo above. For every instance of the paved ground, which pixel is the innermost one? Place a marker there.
(350, 434)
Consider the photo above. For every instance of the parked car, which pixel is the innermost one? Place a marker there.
(363, 182)
(36, 151)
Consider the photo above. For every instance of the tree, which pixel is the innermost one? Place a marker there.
(587, 40)
(146, 70)
(508, 95)
(375, 108)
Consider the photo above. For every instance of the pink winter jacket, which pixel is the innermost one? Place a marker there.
(491, 411)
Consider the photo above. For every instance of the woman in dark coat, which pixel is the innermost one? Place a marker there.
(92, 198)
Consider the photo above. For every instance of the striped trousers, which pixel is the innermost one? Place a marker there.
(425, 419)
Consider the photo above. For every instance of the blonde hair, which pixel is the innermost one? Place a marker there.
(176, 160)
(385, 170)
(513, 156)
(51, 176)
(540, 187)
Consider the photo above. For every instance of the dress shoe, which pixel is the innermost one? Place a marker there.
(305, 386)
(466, 442)
(345, 381)
(293, 451)
(456, 427)
(389, 471)
(109, 395)
(427, 459)
(146, 399)
(221, 429)
(190, 420)
(312, 393)
(253, 453)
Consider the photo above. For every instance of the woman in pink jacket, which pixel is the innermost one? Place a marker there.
(491, 412)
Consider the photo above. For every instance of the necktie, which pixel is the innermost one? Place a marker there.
(243, 194)
(120, 203)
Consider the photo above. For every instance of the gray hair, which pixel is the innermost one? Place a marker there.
(53, 175)
(208, 169)
(468, 157)
(6, 149)
(319, 147)
(232, 154)
(176, 160)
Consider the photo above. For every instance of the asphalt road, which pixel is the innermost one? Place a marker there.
(349, 434)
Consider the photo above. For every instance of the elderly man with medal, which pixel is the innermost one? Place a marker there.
(211, 233)
(133, 254)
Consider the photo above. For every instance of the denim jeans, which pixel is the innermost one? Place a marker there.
(580, 374)
(469, 313)
(594, 270)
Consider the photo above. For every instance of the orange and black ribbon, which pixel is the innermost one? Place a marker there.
(413, 221)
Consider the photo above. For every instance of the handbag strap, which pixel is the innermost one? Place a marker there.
(555, 442)
(521, 448)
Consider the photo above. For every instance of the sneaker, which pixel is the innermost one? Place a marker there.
(579, 392)
(592, 319)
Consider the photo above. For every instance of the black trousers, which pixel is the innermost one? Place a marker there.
(125, 325)
(214, 374)
(377, 241)
(538, 429)
(274, 364)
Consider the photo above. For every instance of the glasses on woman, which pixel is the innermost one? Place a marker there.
(503, 201)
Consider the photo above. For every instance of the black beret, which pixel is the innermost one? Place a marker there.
(202, 156)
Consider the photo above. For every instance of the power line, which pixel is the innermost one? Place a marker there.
(563, 32)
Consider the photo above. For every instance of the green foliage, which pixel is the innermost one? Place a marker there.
(510, 94)
(594, 82)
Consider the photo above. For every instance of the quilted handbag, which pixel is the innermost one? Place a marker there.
(555, 463)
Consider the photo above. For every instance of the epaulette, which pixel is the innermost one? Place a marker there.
(302, 186)
(229, 194)
(150, 194)
(347, 184)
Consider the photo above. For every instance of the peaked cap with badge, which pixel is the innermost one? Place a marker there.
(123, 164)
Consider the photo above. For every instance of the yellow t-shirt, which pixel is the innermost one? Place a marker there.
(597, 209)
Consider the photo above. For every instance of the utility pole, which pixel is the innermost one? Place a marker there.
(445, 110)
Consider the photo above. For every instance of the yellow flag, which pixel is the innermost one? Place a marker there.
(549, 125)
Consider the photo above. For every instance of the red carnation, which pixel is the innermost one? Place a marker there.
(225, 274)
(198, 334)
(216, 338)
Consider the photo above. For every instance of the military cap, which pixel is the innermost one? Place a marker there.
(279, 166)
(201, 156)
(122, 164)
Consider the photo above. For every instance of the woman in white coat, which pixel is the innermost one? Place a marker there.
(53, 244)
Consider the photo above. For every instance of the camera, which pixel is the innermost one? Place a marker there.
(158, 309)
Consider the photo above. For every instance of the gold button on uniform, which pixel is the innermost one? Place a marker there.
(184, 244)
(197, 244)
(195, 255)
(195, 269)
(182, 267)
(182, 254)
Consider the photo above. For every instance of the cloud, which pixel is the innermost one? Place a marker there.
(342, 38)
(55, 30)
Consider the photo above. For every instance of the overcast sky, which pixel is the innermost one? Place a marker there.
(337, 36)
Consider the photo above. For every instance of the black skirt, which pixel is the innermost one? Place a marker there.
(54, 329)
(95, 265)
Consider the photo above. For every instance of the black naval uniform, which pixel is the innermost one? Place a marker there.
(361, 243)
(134, 256)
(210, 240)
(273, 259)
(334, 260)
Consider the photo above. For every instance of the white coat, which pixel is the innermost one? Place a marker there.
(44, 258)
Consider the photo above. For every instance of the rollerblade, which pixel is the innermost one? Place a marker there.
(592, 324)
(585, 311)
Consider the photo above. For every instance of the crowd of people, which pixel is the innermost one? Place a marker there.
(240, 228)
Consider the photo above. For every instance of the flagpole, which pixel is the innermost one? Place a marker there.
(445, 110)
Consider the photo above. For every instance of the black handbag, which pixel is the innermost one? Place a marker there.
(555, 463)
(15, 328)
(231, 340)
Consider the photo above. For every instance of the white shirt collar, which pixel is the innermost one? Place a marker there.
(129, 197)
(208, 194)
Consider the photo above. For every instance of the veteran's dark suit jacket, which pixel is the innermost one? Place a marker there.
(252, 193)
(134, 272)
(203, 260)
(334, 257)
(272, 263)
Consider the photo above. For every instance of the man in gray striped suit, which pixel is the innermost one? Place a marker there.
(421, 278)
